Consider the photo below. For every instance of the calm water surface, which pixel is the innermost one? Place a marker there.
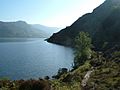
(32, 58)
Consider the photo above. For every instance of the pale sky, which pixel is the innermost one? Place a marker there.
(54, 13)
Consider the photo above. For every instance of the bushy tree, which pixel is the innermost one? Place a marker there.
(82, 48)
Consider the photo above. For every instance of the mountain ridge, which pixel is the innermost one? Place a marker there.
(21, 29)
(46, 29)
(94, 23)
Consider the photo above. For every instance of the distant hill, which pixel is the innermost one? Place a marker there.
(103, 25)
(48, 30)
(20, 29)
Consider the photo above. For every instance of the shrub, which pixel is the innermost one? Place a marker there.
(34, 85)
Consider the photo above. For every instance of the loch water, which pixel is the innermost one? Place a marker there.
(32, 58)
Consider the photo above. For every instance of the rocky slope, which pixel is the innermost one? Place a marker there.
(101, 72)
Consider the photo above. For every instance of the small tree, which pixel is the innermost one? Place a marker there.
(82, 48)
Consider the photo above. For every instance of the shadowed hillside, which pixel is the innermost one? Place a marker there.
(102, 25)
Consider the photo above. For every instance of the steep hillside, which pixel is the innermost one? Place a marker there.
(19, 29)
(102, 72)
(102, 24)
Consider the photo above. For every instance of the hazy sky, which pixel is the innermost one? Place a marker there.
(57, 13)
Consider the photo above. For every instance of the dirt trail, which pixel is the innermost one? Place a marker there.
(86, 77)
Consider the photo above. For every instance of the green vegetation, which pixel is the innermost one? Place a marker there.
(99, 72)
(25, 84)
(104, 68)
(82, 48)
(106, 76)
(61, 71)
(92, 70)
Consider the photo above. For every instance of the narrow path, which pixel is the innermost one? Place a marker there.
(86, 77)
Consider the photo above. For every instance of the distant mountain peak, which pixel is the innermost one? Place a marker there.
(20, 29)
(20, 21)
